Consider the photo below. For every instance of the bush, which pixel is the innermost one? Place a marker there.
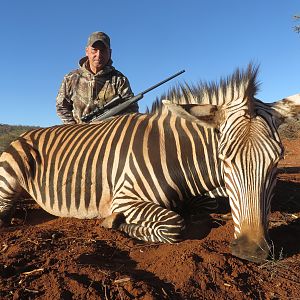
(8, 133)
(290, 129)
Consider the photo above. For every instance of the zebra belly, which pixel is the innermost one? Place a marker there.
(81, 212)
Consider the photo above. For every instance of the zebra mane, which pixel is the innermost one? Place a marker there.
(240, 84)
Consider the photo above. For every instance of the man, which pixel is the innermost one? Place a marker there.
(95, 83)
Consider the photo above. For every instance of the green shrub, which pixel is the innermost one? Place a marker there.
(8, 133)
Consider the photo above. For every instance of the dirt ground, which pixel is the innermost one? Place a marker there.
(44, 257)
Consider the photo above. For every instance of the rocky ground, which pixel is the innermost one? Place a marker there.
(44, 257)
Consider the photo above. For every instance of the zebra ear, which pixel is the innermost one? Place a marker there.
(206, 115)
(287, 108)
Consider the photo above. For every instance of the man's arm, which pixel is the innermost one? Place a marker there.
(64, 105)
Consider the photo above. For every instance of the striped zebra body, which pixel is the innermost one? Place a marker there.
(139, 171)
(94, 170)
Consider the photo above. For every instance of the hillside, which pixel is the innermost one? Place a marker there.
(9, 132)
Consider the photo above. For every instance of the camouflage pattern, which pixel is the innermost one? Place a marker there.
(99, 36)
(82, 91)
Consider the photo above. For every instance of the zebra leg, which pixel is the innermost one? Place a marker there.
(10, 190)
(147, 221)
(6, 211)
(6, 207)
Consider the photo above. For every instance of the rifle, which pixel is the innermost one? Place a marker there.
(117, 104)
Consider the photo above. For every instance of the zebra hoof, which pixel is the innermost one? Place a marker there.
(113, 221)
(6, 216)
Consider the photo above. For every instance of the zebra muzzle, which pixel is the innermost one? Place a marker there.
(250, 250)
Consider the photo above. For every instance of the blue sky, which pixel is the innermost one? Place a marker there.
(43, 40)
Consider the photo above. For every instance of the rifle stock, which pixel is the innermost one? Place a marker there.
(117, 104)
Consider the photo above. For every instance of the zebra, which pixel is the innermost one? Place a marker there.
(138, 171)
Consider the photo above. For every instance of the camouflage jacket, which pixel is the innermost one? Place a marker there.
(82, 91)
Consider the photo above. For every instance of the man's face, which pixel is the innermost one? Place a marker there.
(98, 55)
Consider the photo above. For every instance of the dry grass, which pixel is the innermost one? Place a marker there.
(290, 129)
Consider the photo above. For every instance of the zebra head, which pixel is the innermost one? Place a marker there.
(249, 149)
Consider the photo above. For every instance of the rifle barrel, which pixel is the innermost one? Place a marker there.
(162, 82)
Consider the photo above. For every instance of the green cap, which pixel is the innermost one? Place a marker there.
(99, 36)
